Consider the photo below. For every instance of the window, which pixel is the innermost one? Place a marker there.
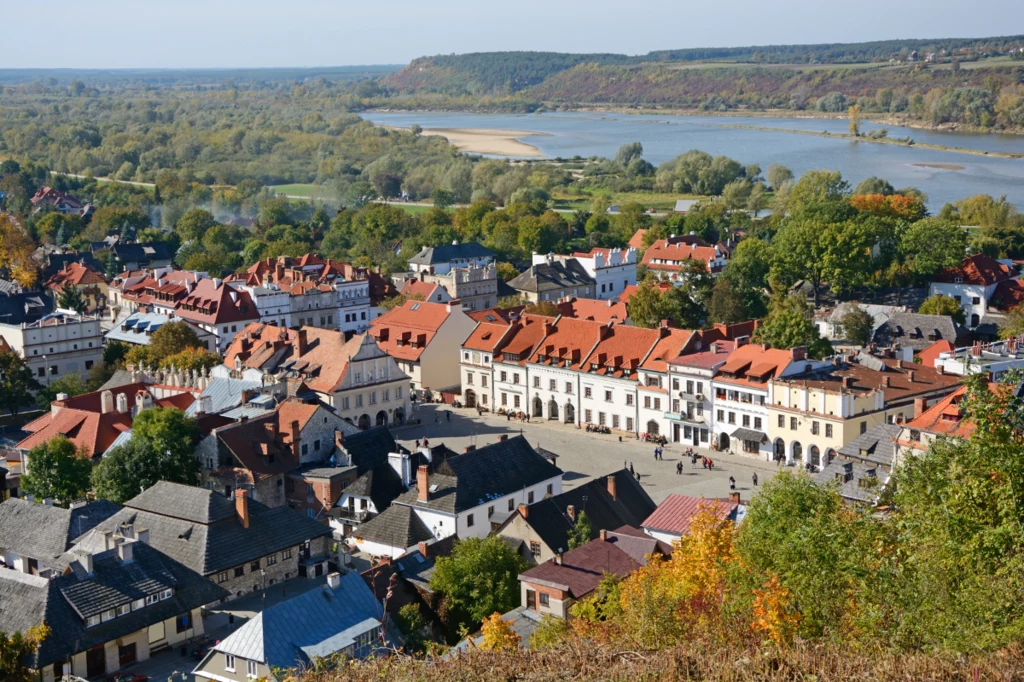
(222, 577)
(483, 382)
(568, 387)
(976, 300)
(250, 668)
(229, 663)
(469, 521)
(588, 416)
(316, 446)
(286, 554)
(271, 559)
(534, 548)
(629, 423)
(359, 401)
(504, 376)
(515, 378)
(529, 497)
(166, 594)
(88, 364)
(587, 392)
(92, 621)
(305, 448)
(544, 600)
(782, 421)
(792, 423)
(607, 396)
(757, 423)
(469, 378)
(600, 418)
(647, 401)
(615, 421)
(629, 399)
(504, 398)
(124, 609)
(657, 403)
(138, 604)
(511, 504)
(863, 427)
(721, 415)
(828, 430)
(344, 403)
(732, 417)
(551, 488)
(815, 428)
(746, 420)
(239, 571)
(553, 385)
(41, 372)
(108, 615)
(254, 566)
(515, 401)
(152, 599)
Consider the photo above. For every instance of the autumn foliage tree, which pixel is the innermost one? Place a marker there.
(498, 634)
(16, 249)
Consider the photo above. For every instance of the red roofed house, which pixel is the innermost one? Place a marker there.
(425, 291)
(973, 284)
(63, 203)
(91, 283)
(603, 311)
(219, 309)
(930, 354)
(944, 419)
(356, 377)
(552, 587)
(612, 269)
(157, 290)
(668, 260)
(93, 421)
(422, 338)
(672, 519)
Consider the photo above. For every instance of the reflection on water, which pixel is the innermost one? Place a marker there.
(943, 176)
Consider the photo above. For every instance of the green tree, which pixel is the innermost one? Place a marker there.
(789, 325)
(1014, 324)
(758, 199)
(816, 252)
(59, 470)
(628, 153)
(645, 306)
(479, 578)
(71, 384)
(737, 193)
(442, 198)
(874, 185)
(777, 176)
(168, 429)
(507, 272)
(413, 625)
(18, 647)
(581, 531)
(930, 245)
(193, 358)
(70, 298)
(172, 338)
(857, 326)
(17, 384)
(192, 226)
(126, 470)
(727, 305)
(943, 305)
(817, 187)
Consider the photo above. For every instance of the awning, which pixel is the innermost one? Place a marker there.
(750, 435)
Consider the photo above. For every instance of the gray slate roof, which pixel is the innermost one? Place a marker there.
(115, 583)
(225, 393)
(317, 623)
(44, 533)
(867, 457)
(396, 526)
(371, 447)
(471, 479)
(552, 276)
(913, 330)
(199, 527)
(380, 484)
(430, 255)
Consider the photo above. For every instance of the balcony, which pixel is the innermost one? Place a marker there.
(353, 515)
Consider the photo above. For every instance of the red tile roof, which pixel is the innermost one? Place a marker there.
(405, 332)
(486, 336)
(425, 289)
(75, 274)
(930, 354)
(570, 340)
(495, 314)
(677, 254)
(1008, 295)
(637, 240)
(212, 304)
(753, 364)
(593, 309)
(668, 348)
(677, 512)
(714, 354)
(976, 269)
(518, 346)
(944, 417)
(631, 290)
(619, 353)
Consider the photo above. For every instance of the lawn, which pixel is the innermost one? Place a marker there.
(660, 201)
(300, 190)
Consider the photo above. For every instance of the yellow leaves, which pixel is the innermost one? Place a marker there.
(16, 249)
(498, 634)
(773, 611)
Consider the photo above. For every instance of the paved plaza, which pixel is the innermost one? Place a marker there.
(583, 456)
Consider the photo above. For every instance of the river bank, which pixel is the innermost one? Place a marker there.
(495, 142)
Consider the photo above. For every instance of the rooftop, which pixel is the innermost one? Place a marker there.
(677, 512)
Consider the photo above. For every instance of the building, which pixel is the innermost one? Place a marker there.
(439, 260)
(864, 465)
(603, 311)
(973, 284)
(218, 309)
(308, 291)
(91, 283)
(829, 321)
(341, 618)
(552, 279)
(384, 471)
(60, 343)
(552, 587)
(239, 544)
(94, 421)
(137, 329)
(116, 601)
(60, 202)
(656, 401)
(994, 359)
(421, 290)
(930, 355)
(35, 535)
(669, 258)
(916, 332)
(944, 419)
(742, 394)
(609, 502)
(25, 307)
(356, 377)
(157, 290)
(143, 256)
(692, 412)
(420, 337)
(611, 269)
(461, 495)
(673, 517)
(813, 413)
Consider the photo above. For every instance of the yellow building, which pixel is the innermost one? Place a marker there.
(91, 283)
(812, 415)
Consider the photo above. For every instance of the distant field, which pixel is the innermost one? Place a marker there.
(656, 200)
(300, 190)
(677, 66)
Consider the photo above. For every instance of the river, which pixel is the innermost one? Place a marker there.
(666, 136)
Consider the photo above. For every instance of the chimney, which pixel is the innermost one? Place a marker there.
(124, 551)
(122, 403)
(570, 511)
(108, 540)
(48, 501)
(734, 498)
(558, 559)
(106, 402)
(798, 353)
(502, 438)
(847, 382)
(242, 506)
(524, 511)
(469, 448)
(142, 535)
(85, 559)
(62, 396)
(604, 535)
(910, 376)
(334, 580)
(423, 484)
(424, 549)
(295, 438)
(886, 382)
(941, 367)
(920, 405)
(611, 487)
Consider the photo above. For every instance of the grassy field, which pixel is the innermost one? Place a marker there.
(659, 201)
(300, 190)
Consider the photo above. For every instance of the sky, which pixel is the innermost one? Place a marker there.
(268, 33)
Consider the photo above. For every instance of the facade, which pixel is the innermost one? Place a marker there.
(439, 260)
(667, 259)
(552, 278)
(916, 332)
(994, 359)
(91, 283)
(973, 284)
(60, 202)
(692, 413)
(35, 535)
(421, 338)
(864, 465)
(356, 377)
(612, 269)
(218, 309)
(813, 414)
(156, 290)
(60, 343)
(672, 519)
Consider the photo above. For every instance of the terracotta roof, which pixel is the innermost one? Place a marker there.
(977, 269)
(669, 347)
(486, 336)
(756, 362)
(637, 240)
(857, 377)
(405, 332)
(618, 354)
(930, 354)
(593, 309)
(945, 418)
(496, 314)
(631, 290)
(677, 512)
(75, 274)
(528, 331)
(571, 339)
(593, 252)
(676, 254)
(1008, 295)
(414, 286)
(214, 304)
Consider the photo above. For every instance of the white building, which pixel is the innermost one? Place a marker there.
(612, 269)
(993, 359)
(439, 260)
(973, 284)
(60, 343)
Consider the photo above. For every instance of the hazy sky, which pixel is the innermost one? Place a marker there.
(232, 33)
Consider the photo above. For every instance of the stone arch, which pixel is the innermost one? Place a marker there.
(399, 416)
(552, 409)
(779, 449)
(470, 398)
(830, 455)
(570, 413)
(723, 441)
(797, 451)
(538, 407)
(814, 455)
(653, 428)
(364, 422)
(382, 418)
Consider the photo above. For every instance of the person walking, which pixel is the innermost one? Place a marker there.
(632, 473)
(448, 414)
(732, 483)
(755, 479)
(711, 465)
(679, 468)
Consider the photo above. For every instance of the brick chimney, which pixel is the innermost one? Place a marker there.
(294, 431)
(422, 484)
(920, 405)
(524, 511)
(570, 511)
(242, 506)
(300, 342)
(502, 438)
(604, 535)
(469, 448)
(424, 549)
(611, 487)
(910, 376)
(886, 382)
(798, 353)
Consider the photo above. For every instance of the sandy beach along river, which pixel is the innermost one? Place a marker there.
(488, 141)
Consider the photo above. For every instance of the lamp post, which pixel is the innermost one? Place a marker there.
(46, 371)
(263, 578)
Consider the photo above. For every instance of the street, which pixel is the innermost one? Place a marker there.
(583, 456)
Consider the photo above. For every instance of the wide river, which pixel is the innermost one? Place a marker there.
(664, 137)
